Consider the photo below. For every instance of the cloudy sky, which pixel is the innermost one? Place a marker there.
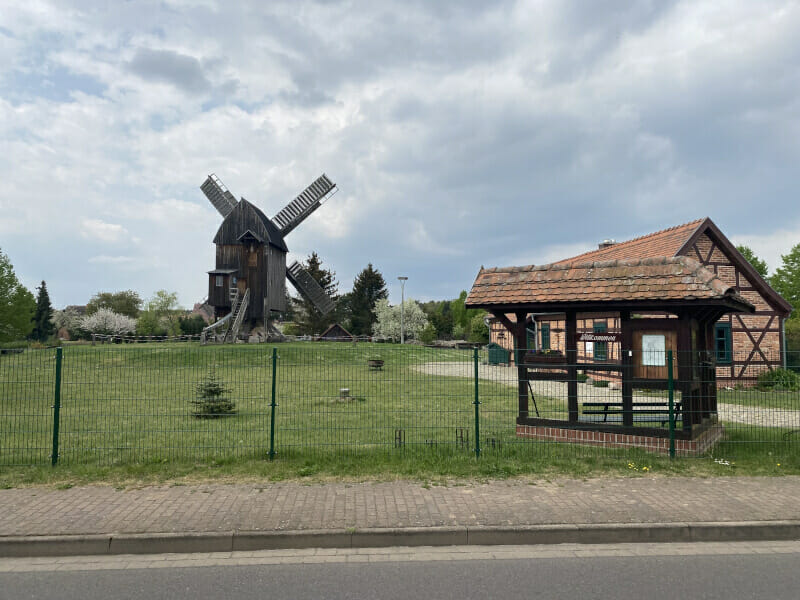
(489, 133)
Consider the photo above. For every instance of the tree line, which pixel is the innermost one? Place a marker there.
(786, 281)
(364, 310)
(24, 317)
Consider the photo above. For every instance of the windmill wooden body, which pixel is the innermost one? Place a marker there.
(248, 283)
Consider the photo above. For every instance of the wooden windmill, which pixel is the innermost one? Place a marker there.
(249, 281)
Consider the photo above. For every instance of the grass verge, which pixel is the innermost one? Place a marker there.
(440, 464)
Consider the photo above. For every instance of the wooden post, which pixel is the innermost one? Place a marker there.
(520, 339)
(571, 352)
(626, 346)
(522, 371)
(684, 357)
(709, 372)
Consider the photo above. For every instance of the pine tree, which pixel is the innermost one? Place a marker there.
(289, 313)
(308, 319)
(368, 287)
(211, 402)
(43, 326)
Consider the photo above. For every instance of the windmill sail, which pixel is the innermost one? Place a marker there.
(306, 203)
(218, 195)
(309, 288)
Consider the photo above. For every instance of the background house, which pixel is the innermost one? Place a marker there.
(745, 345)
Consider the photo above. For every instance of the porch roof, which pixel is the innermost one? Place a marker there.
(649, 282)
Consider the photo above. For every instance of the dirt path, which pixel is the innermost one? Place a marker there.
(732, 413)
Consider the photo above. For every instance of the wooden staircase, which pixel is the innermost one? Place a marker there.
(238, 311)
(227, 328)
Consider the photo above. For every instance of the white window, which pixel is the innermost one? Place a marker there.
(219, 281)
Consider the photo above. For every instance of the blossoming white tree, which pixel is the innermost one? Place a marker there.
(107, 322)
(388, 323)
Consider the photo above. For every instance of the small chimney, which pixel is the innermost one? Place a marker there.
(606, 244)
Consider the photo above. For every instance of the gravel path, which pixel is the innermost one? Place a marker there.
(733, 413)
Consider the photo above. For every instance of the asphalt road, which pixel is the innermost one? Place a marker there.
(622, 572)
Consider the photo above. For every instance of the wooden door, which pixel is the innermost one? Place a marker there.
(650, 353)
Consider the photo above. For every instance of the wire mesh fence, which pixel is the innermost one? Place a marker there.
(132, 403)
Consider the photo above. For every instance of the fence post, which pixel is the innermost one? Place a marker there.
(671, 388)
(273, 405)
(56, 408)
(477, 410)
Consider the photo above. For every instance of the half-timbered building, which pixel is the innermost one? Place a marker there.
(745, 344)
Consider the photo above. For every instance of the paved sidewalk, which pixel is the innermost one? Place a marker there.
(345, 508)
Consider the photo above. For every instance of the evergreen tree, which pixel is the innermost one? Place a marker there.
(758, 264)
(289, 313)
(368, 287)
(212, 399)
(43, 326)
(308, 319)
(786, 279)
(17, 305)
(442, 320)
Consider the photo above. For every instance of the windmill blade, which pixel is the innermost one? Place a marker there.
(306, 203)
(309, 288)
(218, 195)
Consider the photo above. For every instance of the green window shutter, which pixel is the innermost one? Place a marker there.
(545, 329)
(600, 348)
(723, 343)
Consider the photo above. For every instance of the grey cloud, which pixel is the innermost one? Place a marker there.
(417, 36)
(182, 71)
(453, 138)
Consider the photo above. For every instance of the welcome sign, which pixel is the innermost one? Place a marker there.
(591, 336)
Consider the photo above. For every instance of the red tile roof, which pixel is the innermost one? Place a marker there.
(648, 279)
(666, 242)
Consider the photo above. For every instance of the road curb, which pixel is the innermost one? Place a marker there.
(230, 541)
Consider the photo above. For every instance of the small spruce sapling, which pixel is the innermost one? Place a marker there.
(211, 402)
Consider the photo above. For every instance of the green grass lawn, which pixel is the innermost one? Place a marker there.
(781, 400)
(126, 412)
(123, 403)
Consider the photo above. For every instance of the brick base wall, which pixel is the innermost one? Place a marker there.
(694, 447)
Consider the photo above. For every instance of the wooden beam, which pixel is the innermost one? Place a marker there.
(520, 343)
(626, 346)
(685, 358)
(506, 322)
(571, 352)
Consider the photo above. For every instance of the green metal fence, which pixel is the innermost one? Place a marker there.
(131, 403)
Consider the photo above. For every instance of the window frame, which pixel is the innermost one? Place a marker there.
(530, 338)
(545, 329)
(600, 349)
(724, 357)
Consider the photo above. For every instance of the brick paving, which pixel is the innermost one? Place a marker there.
(288, 506)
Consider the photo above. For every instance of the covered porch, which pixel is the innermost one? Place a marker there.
(667, 308)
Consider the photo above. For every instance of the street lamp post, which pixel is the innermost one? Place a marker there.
(402, 308)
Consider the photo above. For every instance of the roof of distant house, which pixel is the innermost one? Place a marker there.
(667, 242)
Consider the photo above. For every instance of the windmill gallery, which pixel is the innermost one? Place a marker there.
(248, 283)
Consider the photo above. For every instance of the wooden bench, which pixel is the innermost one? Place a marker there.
(643, 412)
